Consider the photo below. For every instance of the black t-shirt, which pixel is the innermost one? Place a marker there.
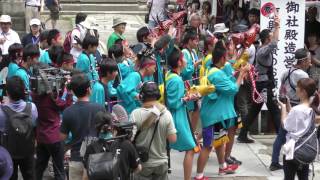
(79, 120)
(127, 154)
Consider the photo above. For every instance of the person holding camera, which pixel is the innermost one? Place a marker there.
(155, 124)
(265, 81)
(113, 137)
(298, 121)
(288, 89)
(79, 120)
(50, 105)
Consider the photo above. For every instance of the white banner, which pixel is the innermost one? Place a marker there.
(291, 37)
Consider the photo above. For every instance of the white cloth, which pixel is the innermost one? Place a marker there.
(79, 32)
(288, 149)
(33, 2)
(10, 37)
(296, 124)
(252, 53)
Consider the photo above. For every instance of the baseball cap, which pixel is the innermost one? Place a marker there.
(6, 167)
(35, 21)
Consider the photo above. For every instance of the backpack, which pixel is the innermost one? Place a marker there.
(307, 146)
(67, 44)
(103, 165)
(18, 138)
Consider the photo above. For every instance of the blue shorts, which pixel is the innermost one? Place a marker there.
(208, 133)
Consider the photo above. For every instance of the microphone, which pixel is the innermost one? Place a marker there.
(162, 42)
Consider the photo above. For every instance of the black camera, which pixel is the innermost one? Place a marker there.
(48, 80)
(283, 99)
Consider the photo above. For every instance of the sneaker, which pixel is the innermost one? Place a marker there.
(275, 167)
(232, 160)
(236, 160)
(230, 169)
(203, 178)
(246, 140)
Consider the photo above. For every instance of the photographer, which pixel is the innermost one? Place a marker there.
(78, 119)
(50, 105)
(265, 81)
(113, 138)
(155, 124)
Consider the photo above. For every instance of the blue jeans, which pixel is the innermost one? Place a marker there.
(278, 143)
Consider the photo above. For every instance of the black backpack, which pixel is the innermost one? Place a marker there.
(307, 146)
(18, 137)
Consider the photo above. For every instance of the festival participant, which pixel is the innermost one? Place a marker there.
(29, 58)
(43, 38)
(54, 39)
(34, 36)
(108, 70)
(119, 26)
(86, 62)
(15, 57)
(175, 92)
(217, 111)
(128, 89)
(297, 121)
(190, 43)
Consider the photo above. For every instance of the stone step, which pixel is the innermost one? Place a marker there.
(101, 7)
(63, 12)
(103, 1)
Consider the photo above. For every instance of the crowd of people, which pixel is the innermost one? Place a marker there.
(136, 101)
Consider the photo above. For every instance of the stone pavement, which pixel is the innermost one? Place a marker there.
(256, 159)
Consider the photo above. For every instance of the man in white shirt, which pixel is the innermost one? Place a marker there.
(7, 35)
(32, 11)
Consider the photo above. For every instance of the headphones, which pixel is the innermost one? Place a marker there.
(149, 89)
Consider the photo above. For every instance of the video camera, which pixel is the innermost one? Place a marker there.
(48, 80)
(125, 129)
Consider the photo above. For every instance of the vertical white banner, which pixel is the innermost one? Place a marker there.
(291, 37)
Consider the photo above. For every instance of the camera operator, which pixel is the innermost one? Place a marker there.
(79, 120)
(49, 106)
(113, 137)
(30, 57)
(155, 124)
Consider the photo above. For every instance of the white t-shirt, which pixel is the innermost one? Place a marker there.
(33, 2)
(295, 76)
(11, 37)
(79, 32)
(298, 121)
